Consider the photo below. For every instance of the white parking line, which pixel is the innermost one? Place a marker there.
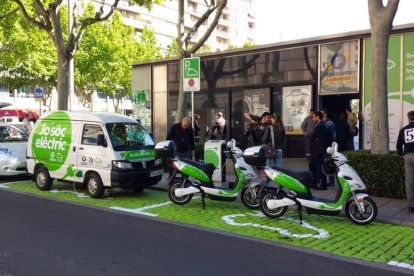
(229, 219)
(141, 210)
(403, 265)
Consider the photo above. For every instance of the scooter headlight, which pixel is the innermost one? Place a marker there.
(122, 165)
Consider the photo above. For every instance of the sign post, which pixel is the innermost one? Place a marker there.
(191, 79)
(38, 94)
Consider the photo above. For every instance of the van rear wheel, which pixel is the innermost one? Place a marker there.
(94, 186)
(43, 180)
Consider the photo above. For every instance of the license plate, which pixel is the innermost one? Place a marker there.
(156, 173)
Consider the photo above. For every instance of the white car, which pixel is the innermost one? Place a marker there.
(13, 144)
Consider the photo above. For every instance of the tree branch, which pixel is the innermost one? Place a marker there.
(219, 8)
(74, 39)
(28, 18)
(9, 13)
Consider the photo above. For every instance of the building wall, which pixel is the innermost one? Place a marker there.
(235, 27)
(254, 80)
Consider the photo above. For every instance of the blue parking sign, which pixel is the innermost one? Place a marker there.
(38, 93)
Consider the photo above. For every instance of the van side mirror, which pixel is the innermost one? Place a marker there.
(101, 141)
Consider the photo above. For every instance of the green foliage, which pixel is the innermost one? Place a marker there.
(173, 50)
(106, 53)
(248, 44)
(383, 174)
(26, 53)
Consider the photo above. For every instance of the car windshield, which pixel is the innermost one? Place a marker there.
(127, 136)
(10, 133)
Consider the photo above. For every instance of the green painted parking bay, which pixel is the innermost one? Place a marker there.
(378, 242)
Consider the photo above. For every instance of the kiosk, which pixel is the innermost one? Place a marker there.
(214, 154)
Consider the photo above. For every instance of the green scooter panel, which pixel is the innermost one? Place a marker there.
(290, 183)
(195, 172)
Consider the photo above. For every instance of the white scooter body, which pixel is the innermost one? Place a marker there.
(348, 178)
(242, 169)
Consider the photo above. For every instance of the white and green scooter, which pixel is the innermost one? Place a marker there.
(191, 177)
(288, 191)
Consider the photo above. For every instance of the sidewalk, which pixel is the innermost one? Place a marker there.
(390, 210)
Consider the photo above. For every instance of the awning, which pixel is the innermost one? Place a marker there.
(12, 113)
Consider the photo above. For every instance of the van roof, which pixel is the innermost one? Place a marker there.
(102, 117)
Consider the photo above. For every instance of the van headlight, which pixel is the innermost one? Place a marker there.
(157, 161)
(122, 165)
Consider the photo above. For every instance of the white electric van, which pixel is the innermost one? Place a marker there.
(100, 150)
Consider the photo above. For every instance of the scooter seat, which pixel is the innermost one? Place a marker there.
(304, 177)
(207, 168)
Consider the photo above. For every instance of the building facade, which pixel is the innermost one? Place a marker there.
(236, 25)
(288, 78)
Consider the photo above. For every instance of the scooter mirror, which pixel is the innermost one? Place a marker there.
(229, 145)
(330, 150)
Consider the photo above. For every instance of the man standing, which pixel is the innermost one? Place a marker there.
(183, 136)
(330, 127)
(27, 126)
(258, 126)
(317, 151)
(352, 122)
(307, 127)
(220, 128)
(406, 141)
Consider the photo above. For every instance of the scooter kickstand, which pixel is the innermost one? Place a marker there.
(203, 201)
(300, 212)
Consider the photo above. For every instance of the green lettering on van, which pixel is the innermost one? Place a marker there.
(138, 154)
(52, 139)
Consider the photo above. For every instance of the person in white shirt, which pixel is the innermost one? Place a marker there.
(27, 126)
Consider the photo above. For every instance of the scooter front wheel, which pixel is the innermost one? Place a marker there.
(275, 213)
(177, 183)
(353, 214)
(249, 199)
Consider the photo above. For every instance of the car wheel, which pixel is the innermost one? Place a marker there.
(43, 180)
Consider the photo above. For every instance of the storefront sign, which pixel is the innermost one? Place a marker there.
(339, 68)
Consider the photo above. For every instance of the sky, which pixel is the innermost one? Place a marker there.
(284, 20)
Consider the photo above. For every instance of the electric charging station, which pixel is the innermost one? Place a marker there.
(214, 154)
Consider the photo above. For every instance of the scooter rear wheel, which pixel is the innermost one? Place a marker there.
(353, 214)
(248, 199)
(176, 184)
(276, 213)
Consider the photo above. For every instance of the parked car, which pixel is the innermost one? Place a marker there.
(13, 144)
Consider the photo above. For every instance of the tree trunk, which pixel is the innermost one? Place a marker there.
(180, 107)
(379, 116)
(381, 19)
(63, 80)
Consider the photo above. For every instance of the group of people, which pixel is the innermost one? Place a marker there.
(319, 133)
(268, 129)
(186, 137)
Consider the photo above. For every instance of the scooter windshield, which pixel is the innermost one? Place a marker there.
(127, 136)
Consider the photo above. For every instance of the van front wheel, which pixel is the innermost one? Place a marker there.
(43, 180)
(94, 186)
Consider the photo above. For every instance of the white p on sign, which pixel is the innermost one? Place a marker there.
(191, 74)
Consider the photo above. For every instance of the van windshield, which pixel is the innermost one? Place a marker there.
(127, 136)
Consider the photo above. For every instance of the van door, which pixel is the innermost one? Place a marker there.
(92, 157)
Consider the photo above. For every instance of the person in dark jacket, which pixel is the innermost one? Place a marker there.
(183, 136)
(318, 146)
(342, 133)
(405, 148)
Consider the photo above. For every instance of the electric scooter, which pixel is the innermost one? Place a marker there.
(359, 207)
(190, 177)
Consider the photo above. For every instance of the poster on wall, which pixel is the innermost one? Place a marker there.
(297, 101)
(408, 76)
(339, 68)
(394, 94)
